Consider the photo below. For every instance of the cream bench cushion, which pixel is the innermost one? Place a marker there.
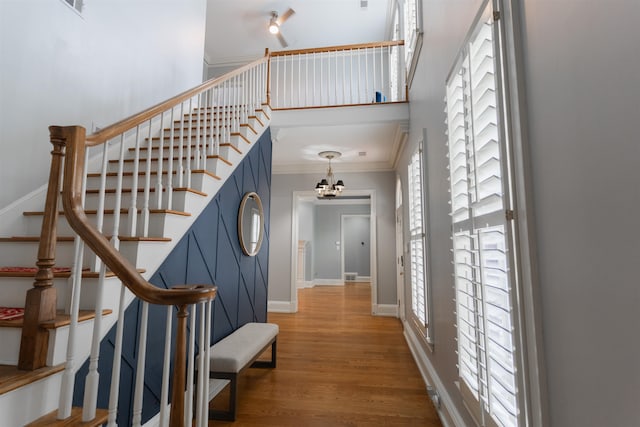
(236, 351)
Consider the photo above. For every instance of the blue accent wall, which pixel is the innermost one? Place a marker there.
(209, 253)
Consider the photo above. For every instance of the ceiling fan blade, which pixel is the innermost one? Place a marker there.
(281, 39)
(285, 16)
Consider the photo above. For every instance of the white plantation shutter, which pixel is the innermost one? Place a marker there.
(416, 240)
(482, 270)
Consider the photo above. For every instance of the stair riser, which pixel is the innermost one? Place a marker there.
(156, 227)
(178, 167)
(15, 288)
(25, 254)
(177, 202)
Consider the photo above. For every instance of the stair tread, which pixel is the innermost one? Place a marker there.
(51, 419)
(155, 159)
(12, 378)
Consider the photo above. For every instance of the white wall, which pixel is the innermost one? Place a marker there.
(582, 64)
(282, 188)
(57, 67)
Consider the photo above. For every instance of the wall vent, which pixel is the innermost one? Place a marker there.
(350, 277)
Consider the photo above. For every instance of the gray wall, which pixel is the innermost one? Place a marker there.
(63, 69)
(582, 64)
(327, 254)
(357, 245)
(282, 188)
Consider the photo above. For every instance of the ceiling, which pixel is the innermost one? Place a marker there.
(237, 33)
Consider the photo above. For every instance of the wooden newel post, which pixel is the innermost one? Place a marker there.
(40, 305)
(179, 369)
(268, 55)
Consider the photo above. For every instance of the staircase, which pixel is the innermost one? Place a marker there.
(146, 180)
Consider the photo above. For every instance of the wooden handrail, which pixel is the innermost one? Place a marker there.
(74, 212)
(122, 126)
(338, 48)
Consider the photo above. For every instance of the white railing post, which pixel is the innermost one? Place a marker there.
(114, 390)
(169, 185)
(188, 415)
(166, 362)
(147, 183)
(141, 357)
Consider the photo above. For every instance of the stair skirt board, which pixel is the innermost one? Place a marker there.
(42, 396)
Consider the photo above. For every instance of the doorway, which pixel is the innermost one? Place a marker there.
(355, 236)
(301, 199)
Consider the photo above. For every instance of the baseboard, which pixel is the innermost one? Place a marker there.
(363, 278)
(302, 284)
(448, 412)
(281, 307)
(388, 310)
(325, 282)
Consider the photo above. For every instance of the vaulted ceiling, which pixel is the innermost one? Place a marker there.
(237, 32)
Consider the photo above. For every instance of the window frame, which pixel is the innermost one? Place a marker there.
(422, 321)
(525, 298)
(412, 38)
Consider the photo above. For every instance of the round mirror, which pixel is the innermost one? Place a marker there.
(250, 223)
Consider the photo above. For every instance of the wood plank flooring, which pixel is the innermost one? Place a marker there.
(337, 366)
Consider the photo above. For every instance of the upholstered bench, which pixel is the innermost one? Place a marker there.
(236, 352)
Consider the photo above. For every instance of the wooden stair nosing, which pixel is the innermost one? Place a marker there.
(31, 239)
(51, 419)
(12, 378)
(98, 174)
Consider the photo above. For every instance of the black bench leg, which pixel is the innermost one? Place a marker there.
(230, 414)
(267, 363)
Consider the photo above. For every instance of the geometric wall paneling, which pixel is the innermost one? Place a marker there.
(209, 253)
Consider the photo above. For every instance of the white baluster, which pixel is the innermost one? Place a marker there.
(189, 141)
(206, 344)
(141, 356)
(335, 81)
(351, 77)
(276, 94)
(298, 59)
(366, 76)
(114, 390)
(170, 163)
(133, 209)
(359, 78)
(115, 240)
(93, 378)
(202, 375)
(147, 185)
(68, 377)
(159, 167)
(197, 154)
(219, 95)
(166, 373)
(180, 147)
(191, 360)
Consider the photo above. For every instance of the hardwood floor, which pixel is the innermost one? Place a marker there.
(337, 366)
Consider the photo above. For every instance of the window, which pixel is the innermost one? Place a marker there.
(417, 242)
(76, 4)
(489, 366)
(412, 29)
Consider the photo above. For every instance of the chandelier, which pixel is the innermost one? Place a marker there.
(327, 187)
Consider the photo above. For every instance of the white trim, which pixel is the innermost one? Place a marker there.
(363, 279)
(386, 310)
(328, 282)
(299, 196)
(447, 411)
(281, 307)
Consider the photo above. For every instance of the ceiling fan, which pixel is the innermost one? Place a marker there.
(276, 21)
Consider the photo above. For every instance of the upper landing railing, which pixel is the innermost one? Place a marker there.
(337, 76)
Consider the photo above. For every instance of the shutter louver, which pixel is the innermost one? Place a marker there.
(416, 246)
